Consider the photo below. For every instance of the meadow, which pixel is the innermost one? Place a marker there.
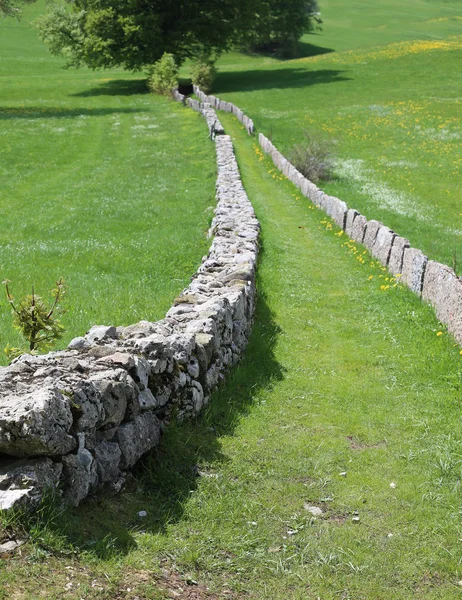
(99, 183)
(382, 80)
(329, 464)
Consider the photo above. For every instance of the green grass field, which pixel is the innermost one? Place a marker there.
(101, 183)
(348, 398)
(383, 80)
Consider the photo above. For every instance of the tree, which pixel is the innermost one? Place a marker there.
(136, 33)
(278, 25)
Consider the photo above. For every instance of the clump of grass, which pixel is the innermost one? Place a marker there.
(313, 157)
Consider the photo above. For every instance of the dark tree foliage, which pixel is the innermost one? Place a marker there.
(136, 33)
(278, 25)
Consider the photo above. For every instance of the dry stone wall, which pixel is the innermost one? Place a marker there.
(436, 283)
(77, 420)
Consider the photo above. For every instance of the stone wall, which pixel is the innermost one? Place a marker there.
(436, 283)
(77, 420)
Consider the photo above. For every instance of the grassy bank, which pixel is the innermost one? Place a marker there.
(383, 80)
(101, 183)
(347, 401)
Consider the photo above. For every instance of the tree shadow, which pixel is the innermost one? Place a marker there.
(288, 78)
(305, 50)
(165, 478)
(302, 50)
(9, 113)
(116, 87)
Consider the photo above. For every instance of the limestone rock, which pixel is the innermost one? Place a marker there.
(23, 482)
(35, 423)
(137, 437)
(101, 333)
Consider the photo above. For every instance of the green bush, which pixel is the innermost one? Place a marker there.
(203, 72)
(36, 321)
(313, 157)
(163, 75)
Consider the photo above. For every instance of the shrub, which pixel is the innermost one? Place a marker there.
(36, 321)
(163, 75)
(203, 72)
(313, 157)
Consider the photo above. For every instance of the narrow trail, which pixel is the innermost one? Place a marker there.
(353, 405)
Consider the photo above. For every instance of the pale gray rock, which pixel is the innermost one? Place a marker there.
(443, 290)
(413, 270)
(100, 333)
(383, 244)
(358, 229)
(193, 367)
(77, 478)
(23, 482)
(141, 372)
(77, 343)
(350, 218)
(137, 437)
(114, 395)
(372, 228)
(87, 406)
(35, 423)
(107, 460)
(338, 212)
(395, 263)
(147, 401)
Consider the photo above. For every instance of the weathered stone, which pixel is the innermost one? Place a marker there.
(77, 343)
(358, 229)
(88, 406)
(23, 482)
(114, 395)
(383, 244)
(79, 475)
(193, 367)
(100, 333)
(147, 401)
(119, 359)
(141, 372)
(413, 270)
(137, 437)
(338, 212)
(443, 290)
(395, 263)
(107, 459)
(350, 218)
(372, 228)
(35, 423)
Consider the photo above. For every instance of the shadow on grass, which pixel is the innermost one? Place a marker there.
(9, 113)
(303, 50)
(116, 87)
(164, 479)
(267, 79)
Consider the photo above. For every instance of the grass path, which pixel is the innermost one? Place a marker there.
(345, 389)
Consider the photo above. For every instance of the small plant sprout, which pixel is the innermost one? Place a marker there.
(36, 321)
